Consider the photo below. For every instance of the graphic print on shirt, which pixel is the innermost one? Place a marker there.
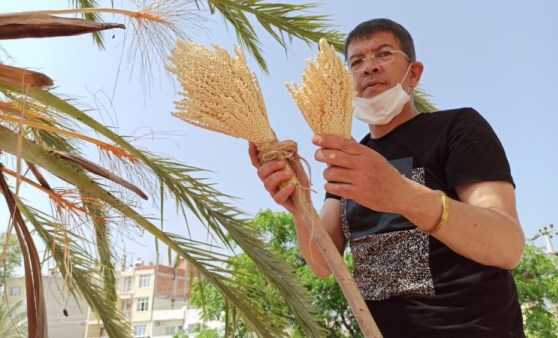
(391, 255)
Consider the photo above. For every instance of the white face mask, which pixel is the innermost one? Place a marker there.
(382, 108)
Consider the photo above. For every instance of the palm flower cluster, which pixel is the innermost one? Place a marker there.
(326, 94)
(220, 93)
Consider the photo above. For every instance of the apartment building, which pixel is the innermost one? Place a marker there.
(65, 315)
(153, 298)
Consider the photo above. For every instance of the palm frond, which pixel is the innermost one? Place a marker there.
(96, 17)
(38, 25)
(282, 21)
(422, 102)
(101, 226)
(78, 269)
(198, 197)
(13, 320)
(23, 77)
(242, 295)
(36, 308)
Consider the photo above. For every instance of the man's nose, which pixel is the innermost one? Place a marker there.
(371, 65)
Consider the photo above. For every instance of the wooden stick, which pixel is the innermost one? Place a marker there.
(301, 199)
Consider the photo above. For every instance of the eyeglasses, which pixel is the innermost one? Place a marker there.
(382, 57)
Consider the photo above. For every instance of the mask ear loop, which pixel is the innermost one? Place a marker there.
(406, 73)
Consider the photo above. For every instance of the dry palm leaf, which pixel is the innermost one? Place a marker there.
(221, 94)
(25, 25)
(326, 95)
(36, 308)
(23, 77)
(98, 170)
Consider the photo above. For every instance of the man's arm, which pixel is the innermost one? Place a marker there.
(483, 226)
(273, 175)
(330, 217)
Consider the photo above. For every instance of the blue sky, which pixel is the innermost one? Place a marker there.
(499, 57)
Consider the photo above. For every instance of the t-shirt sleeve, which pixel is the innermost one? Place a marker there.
(328, 195)
(475, 152)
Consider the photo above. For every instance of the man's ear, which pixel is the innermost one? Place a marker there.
(416, 73)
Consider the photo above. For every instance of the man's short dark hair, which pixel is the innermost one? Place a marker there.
(367, 28)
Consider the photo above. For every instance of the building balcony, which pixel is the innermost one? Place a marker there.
(124, 293)
(165, 315)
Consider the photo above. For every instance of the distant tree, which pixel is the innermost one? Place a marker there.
(537, 283)
(536, 278)
(203, 331)
(279, 231)
(10, 256)
(180, 334)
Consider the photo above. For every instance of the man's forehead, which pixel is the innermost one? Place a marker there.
(373, 41)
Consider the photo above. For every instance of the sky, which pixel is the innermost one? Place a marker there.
(499, 57)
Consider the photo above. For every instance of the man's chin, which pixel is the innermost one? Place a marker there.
(371, 92)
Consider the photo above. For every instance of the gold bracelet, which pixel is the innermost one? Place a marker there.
(444, 217)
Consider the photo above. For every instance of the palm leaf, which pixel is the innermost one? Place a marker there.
(78, 270)
(282, 21)
(198, 197)
(12, 320)
(23, 77)
(422, 102)
(36, 308)
(96, 17)
(31, 25)
(101, 227)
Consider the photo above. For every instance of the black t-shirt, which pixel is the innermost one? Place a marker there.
(414, 285)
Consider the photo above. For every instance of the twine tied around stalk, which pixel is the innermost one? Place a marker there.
(286, 150)
(281, 150)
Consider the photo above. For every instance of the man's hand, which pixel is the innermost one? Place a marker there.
(273, 175)
(359, 173)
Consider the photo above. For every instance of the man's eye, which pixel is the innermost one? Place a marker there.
(357, 62)
(384, 54)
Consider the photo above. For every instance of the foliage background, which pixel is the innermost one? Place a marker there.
(536, 279)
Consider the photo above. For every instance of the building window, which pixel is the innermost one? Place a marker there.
(127, 284)
(15, 291)
(140, 331)
(126, 307)
(170, 330)
(142, 304)
(144, 281)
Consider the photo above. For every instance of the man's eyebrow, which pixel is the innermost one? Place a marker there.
(375, 49)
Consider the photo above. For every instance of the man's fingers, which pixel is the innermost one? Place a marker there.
(338, 143)
(334, 158)
(272, 182)
(269, 168)
(283, 195)
(338, 175)
(253, 151)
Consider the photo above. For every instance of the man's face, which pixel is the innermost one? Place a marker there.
(375, 78)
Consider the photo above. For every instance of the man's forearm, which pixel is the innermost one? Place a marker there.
(309, 250)
(486, 231)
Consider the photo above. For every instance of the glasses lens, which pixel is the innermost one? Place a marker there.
(381, 58)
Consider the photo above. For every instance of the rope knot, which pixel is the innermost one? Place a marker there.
(282, 150)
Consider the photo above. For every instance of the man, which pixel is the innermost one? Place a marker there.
(426, 202)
